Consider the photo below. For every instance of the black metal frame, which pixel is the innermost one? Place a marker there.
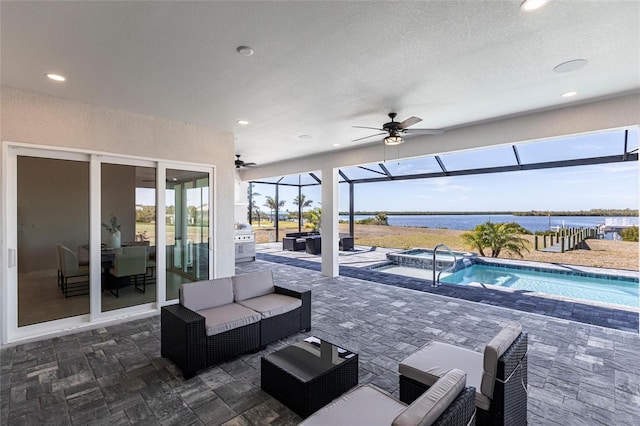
(116, 283)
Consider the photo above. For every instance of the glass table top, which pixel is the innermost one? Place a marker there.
(310, 358)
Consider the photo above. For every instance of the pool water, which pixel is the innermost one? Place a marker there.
(619, 292)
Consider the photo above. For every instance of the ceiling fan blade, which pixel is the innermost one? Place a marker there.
(424, 131)
(370, 136)
(362, 127)
(409, 122)
(250, 164)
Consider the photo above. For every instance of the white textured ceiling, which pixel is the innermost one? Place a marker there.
(320, 67)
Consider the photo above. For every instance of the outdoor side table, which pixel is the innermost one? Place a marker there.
(309, 374)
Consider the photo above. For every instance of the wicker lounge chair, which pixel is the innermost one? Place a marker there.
(499, 375)
(447, 402)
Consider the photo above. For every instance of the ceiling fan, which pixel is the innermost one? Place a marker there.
(394, 130)
(240, 163)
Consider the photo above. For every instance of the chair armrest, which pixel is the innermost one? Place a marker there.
(305, 296)
(461, 410)
(183, 337)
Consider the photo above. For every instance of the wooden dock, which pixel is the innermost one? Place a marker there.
(565, 239)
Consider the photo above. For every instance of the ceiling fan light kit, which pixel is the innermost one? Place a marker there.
(395, 130)
(393, 140)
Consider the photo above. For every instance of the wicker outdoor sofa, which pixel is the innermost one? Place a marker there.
(499, 375)
(220, 319)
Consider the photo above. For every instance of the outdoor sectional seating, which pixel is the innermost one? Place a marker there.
(499, 375)
(447, 402)
(222, 318)
(295, 241)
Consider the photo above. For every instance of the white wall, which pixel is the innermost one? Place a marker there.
(37, 119)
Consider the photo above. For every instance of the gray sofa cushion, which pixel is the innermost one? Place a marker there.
(271, 305)
(247, 286)
(430, 405)
(364, 405)
(206, 294)
(435, 359)
(227, 317)
(493, 351)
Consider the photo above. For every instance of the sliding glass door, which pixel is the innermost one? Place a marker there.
(128, 249)
(53, 239)
(187, 228)
(90, 237)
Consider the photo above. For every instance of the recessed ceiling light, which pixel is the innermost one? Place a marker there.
(55, 77)
(243, 122)
(569, 94)
(305, 136)
(244, 50)
(336, 144)
(569, 66)
(528, 5)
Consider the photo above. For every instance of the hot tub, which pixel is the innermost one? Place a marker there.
(423, 259)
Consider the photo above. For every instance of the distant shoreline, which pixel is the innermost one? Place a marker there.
(594, 212)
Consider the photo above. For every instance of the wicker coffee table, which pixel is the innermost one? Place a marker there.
(309, 374)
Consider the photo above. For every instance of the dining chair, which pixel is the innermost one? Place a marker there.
(130, 264)
(70, 269)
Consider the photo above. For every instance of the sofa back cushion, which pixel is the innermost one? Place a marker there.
(254, 284)
(206, 294)
(492, 352)
(430, 405)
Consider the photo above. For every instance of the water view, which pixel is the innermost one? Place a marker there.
(466, 222)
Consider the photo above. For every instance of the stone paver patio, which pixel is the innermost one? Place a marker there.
(579, 374)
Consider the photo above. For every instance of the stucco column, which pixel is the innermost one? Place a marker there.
(329, 222)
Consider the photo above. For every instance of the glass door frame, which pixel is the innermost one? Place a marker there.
(10, 332)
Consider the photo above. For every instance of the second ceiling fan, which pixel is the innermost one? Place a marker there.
(394, 130)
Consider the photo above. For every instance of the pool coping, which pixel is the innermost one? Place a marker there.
(520, 300)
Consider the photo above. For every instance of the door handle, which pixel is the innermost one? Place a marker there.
(11, 261)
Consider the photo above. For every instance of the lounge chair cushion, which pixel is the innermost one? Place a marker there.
(363, 405)
(493, 351)
(435, 359)
(273, 304)
(227, 317)
(430, 405)
(247, 286)
(206, 294)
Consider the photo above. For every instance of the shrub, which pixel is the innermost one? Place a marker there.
(378, 219)
(630, 234)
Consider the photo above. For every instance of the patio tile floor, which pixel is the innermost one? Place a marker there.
(578, 373)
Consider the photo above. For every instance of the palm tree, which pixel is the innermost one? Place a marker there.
(301, 201)
(496, 236)
(253, 208)
(271, 203)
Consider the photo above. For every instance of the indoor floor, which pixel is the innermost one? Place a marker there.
(40, 299)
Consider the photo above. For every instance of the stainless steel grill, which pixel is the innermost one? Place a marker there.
(245, 243)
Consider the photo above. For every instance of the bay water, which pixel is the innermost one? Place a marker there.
(467, 222)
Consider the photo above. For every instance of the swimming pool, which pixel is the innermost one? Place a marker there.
(614, 290)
